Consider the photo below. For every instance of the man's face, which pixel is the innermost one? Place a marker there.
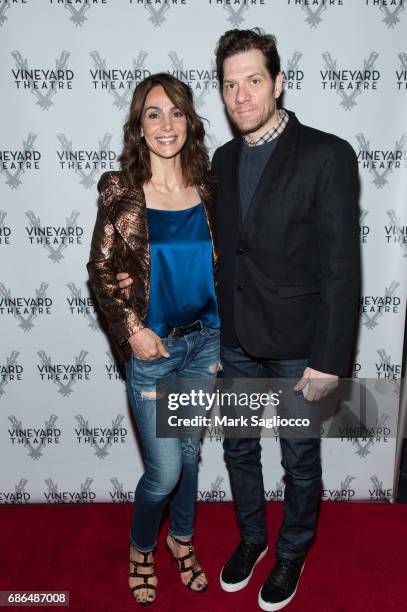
(249, 93)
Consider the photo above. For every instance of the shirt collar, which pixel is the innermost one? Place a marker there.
(271, 134)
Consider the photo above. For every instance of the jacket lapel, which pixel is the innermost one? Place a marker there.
(130, 218)
(207, 194)
(235, 195)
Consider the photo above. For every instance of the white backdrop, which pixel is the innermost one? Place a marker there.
(67, 72)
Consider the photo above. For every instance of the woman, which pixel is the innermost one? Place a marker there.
(155, 221)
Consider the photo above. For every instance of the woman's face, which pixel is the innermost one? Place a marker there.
(163, 125)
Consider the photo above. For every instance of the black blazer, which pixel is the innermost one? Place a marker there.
(289, 276)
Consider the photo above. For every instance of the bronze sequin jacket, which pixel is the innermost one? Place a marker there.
(120, 244)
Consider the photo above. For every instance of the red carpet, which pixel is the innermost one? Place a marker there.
(359, 561)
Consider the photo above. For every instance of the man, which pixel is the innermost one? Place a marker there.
(288, 289)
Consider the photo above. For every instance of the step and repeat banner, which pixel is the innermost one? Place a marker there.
(67, 74)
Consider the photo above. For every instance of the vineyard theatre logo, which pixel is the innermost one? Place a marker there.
(215, 434)
(373, 307)
(4, 7)
(45, 82)
(380, 163)
(34, 439)
(388, 373)
(363, 438)
(10, 371)
(77, 13)
(54, 238)
(16, 497)
(214, 494)
(236, 9)
(87, 163)
(156, 13)
(401, 74)
(344, 493)
(314, 9)
(15, 162)
(200, 80)
(235, 15)
(357, 366)
(391, 10)
(157, 9)
(83, 495)
(64, 375)
(396, 232)
(276, 494)
(117, 493)
(364, 230)
(118, 82)
(349, 83)
(25, 308)
(82, 306)
(377, 491)
(293, 77)
(100, 438)
(5, 230)
(385, 368)
(112, 371)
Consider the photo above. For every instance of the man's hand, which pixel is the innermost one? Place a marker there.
(124, 279)
(316, 385)
(145, 344)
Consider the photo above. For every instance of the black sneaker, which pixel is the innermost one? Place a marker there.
(281, 585)
(236, 573)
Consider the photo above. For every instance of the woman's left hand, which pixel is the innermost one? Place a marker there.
(147, 345)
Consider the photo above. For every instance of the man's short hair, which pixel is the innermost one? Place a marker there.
(238, 41)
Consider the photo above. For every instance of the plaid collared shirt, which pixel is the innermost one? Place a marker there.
(273, 133)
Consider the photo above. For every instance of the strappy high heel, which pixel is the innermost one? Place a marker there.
(182, 568)
(145, 584)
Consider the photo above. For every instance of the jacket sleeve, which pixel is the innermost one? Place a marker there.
(114, 302)
(339, 260)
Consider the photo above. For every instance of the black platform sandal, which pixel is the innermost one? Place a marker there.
(145, 584)
(191, 568)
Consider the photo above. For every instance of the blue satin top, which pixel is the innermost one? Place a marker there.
(181, 281)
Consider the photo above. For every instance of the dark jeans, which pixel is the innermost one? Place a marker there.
(171, 464)
(300, 459)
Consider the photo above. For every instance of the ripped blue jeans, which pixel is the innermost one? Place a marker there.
(171, 464)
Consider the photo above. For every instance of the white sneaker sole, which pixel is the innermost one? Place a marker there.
(238, 586)
(270, 607)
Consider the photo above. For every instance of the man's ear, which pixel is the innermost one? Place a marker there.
(278, 85)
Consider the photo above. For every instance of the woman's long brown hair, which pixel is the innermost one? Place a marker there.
(135, 157)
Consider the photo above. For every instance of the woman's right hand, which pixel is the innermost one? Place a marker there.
(124, 279)
(146, 345)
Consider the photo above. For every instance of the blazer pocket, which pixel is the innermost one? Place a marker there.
(297, 290)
